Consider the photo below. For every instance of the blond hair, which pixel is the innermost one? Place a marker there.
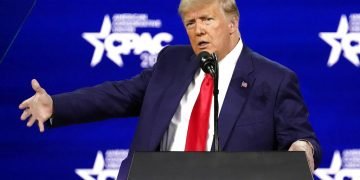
(228, 6)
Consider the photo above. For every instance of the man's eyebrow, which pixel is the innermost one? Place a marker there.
(189, 20)
(204, 17)
(193, 19)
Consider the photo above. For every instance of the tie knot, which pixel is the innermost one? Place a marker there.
(208, 79)
(208, 76)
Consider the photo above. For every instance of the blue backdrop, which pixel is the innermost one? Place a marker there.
(71, 44)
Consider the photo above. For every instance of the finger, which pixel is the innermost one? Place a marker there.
(310, 161)
(31, 121)
(41, 126)
(36, 86)
(24, 104)
(25, 114)
(311, 165)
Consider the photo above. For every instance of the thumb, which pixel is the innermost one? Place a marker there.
(36, 86)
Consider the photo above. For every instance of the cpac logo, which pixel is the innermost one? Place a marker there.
(104, 168)
(124, 39)
(345, 167)
(347, 39)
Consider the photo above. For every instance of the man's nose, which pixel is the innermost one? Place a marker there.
(199, 28)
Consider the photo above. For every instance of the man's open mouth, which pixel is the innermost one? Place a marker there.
(203, 44)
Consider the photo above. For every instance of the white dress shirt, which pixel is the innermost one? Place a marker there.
(175, 137)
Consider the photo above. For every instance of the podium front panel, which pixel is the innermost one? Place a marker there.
(223, 165)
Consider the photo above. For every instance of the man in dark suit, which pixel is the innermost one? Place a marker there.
(261, 107)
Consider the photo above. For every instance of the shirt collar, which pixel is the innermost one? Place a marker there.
(231, 58)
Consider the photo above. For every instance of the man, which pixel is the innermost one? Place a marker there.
(260, 104)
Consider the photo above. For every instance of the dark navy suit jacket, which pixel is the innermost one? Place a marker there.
(268, 114)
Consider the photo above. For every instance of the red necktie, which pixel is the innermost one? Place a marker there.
(199, 119)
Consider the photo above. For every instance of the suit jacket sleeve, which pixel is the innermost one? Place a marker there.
(291, 117)
(107, 100)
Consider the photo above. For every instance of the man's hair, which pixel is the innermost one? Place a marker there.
(229, 6)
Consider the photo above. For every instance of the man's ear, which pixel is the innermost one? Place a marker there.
(234, 24)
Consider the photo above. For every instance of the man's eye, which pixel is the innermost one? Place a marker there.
(189, 24)
(208, 20)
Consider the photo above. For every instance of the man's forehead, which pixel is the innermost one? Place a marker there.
(196, 15)
(200, 12)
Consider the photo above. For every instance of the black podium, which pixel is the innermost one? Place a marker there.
(219, 166)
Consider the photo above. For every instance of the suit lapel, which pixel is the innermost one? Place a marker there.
(172, 96)
(238, 91)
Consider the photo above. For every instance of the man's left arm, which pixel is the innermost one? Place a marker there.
(293, 130)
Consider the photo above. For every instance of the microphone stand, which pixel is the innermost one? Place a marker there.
(216, 104)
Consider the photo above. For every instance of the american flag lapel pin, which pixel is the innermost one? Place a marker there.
(244, 84)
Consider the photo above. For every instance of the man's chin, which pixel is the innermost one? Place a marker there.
(204, 49)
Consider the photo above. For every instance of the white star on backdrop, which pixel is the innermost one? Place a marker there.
(325, 173)
(337, 170)
(96, 39)
(98, 172)
(341, 41)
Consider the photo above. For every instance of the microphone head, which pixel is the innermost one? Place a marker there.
(207, 62)
(204, 56)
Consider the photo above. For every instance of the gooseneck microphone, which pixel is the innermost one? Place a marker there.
(209, 65)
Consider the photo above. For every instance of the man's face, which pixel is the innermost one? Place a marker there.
(209, 29)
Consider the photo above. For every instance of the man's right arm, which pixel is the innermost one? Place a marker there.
(107, 100)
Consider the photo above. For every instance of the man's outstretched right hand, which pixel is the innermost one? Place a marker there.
(38, 108)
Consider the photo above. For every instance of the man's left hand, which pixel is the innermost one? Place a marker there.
(303, 145)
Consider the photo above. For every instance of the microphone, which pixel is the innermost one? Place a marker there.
(209, 65)
(208, 62)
